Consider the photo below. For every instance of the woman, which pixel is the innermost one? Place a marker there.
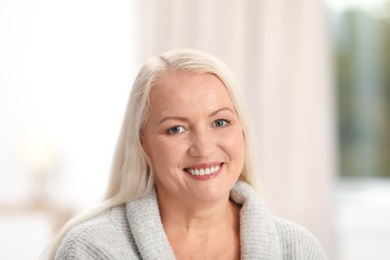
(183, 180)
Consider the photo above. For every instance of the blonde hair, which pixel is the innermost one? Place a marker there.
(130, 175)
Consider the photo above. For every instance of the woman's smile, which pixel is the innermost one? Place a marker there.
(204, 171)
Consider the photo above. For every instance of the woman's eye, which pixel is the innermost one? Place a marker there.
(221, 122)
(175, 130)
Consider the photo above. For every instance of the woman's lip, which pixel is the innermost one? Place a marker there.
(204, 165)
(205, 176)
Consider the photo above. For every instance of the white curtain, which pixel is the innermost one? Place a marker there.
(280, 52)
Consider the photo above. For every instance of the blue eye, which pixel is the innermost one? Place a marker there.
(221, 122)
(175, 129)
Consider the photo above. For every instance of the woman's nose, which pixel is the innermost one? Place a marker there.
(202, 143)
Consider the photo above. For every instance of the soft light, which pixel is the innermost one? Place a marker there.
(39, 151)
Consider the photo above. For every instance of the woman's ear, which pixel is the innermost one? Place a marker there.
(142, 136)
(144, 145)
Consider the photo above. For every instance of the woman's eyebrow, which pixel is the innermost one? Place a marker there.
(185, 119)
(222, 109)
(177, 118)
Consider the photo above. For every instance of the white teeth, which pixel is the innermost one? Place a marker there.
(205, 171)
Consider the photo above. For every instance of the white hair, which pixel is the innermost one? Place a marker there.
(130, 175)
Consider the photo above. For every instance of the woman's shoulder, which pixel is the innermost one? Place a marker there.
(298, 241)
(105, 236)
(108, 220)
(259, 224)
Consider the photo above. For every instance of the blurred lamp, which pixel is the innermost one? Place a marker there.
(40, 154)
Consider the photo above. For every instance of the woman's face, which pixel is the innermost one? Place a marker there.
(193, 138)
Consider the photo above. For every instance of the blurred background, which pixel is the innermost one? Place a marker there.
(316, 75)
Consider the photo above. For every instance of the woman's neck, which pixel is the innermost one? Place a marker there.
(198, 216)
(193, 216)
(202, 229)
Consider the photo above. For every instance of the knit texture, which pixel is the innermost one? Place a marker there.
(135, 231)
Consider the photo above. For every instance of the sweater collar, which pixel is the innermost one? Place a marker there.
(258, 233)
(145, 223)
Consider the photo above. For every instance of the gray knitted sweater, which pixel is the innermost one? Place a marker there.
(135, 231)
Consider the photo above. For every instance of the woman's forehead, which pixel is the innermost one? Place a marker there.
(184, 83)
(188, 90)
